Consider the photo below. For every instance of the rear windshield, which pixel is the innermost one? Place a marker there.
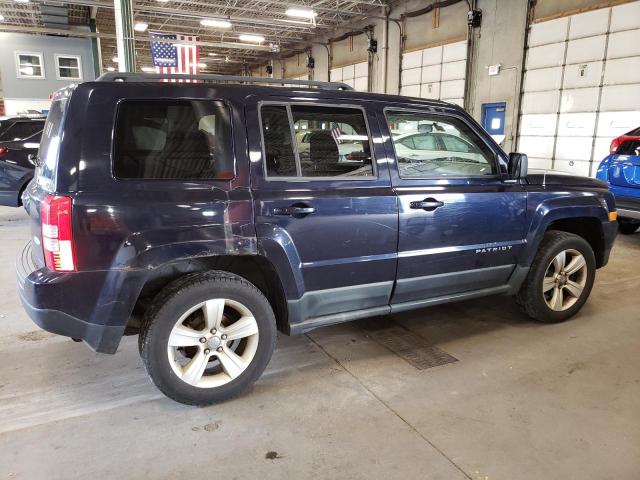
(50, 144)
(630, 147)
(635, 132)
(21, 130)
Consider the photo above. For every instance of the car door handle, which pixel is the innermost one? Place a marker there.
(296, 211)
(428, 204)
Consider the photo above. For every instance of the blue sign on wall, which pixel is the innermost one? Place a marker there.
(493, 117)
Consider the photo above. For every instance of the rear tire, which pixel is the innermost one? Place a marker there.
(628, 227)
(560, 279)
(207, 337)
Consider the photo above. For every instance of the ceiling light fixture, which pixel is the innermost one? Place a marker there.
(245, 37)
(213, 54)
(148, 70)
(111, 69)
(214, 22)
(202, 65)
(21, 1)
(115, 60)
(1, 18)
(141, 27)
(300, 13)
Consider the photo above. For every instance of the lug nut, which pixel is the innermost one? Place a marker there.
(206, 351)
(213, 330)
(203, 340)
(224, 337)
(219, 349)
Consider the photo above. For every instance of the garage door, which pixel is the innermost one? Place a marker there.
(435, 72)
(581, 87)
(355, 75)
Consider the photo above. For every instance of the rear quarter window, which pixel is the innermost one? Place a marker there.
(173, 140)
(50, 144)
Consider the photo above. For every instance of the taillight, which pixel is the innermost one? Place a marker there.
(57, 234)
(615, 143)
(3, 150)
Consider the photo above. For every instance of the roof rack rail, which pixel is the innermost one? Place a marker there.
(147, 77)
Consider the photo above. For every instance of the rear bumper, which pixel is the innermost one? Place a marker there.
(9, 198)
(92, 306)
(628, 207)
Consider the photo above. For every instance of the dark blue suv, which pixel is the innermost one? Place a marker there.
(206, 216)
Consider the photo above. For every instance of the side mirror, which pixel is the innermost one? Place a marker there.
(518, 165)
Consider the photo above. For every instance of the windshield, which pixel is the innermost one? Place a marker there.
(50, 144)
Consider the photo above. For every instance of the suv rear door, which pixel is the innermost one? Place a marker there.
(330, 219)
(461, 224)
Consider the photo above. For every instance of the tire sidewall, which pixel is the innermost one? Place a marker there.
(154, 349)
(571, 243)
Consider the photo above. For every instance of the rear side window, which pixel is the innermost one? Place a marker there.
(21, 130)
(173, 140)
(312, 141)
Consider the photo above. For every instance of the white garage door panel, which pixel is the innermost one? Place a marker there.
(335, 74)
(540, 102)
(411, 76)
(583, 75)
(412, 59)
(538, 125)
(430, 90)
(361, 69)
(452, 89)
(589, 24)
(548, 32)
(456, 101)
(586, 49)
(543, 79)
(454, 70)
(454, 52)
(601, 149)
(432, 56)
(577, 125)
(625, 17)
(573, 148)
(539, 163)
(573, 167)
(614, 124)
(361, 84)
(536, 146)
(620, 97)
(348, 72)
(623, 44)
(545, 56)
(349, 82)
(579, 100)
(431, 73)
(622, 70)
(410, 90)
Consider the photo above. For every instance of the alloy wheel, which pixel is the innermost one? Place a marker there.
(213, 343)
(564, 280)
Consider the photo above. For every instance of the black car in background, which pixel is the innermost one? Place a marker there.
(19, 138)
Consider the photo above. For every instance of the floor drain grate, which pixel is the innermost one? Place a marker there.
(414, 349)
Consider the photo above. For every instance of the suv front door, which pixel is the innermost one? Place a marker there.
(461, 222)
(323, 205)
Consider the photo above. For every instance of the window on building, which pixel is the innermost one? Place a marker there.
(69, 67)
(173, 139)
(29, 65)
(329, 142)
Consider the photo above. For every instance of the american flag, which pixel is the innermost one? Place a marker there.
(182, 56)
(336, 133)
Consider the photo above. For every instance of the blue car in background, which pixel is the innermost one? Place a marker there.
(621, 170)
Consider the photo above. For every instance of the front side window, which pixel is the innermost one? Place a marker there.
(327, 141)
(430, 146)
(173, 140)
(68, 67)
(29, 65)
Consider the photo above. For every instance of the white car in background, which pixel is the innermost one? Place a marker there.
(434, 153)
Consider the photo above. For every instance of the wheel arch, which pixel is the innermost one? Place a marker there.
(256, 269)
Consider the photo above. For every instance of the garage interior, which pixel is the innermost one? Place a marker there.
(469, 390)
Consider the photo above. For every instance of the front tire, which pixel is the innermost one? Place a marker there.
(207, 338)
(560, 279)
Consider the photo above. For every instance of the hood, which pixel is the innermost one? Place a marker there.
(554, 177)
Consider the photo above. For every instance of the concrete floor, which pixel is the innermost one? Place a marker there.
(525, 401)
